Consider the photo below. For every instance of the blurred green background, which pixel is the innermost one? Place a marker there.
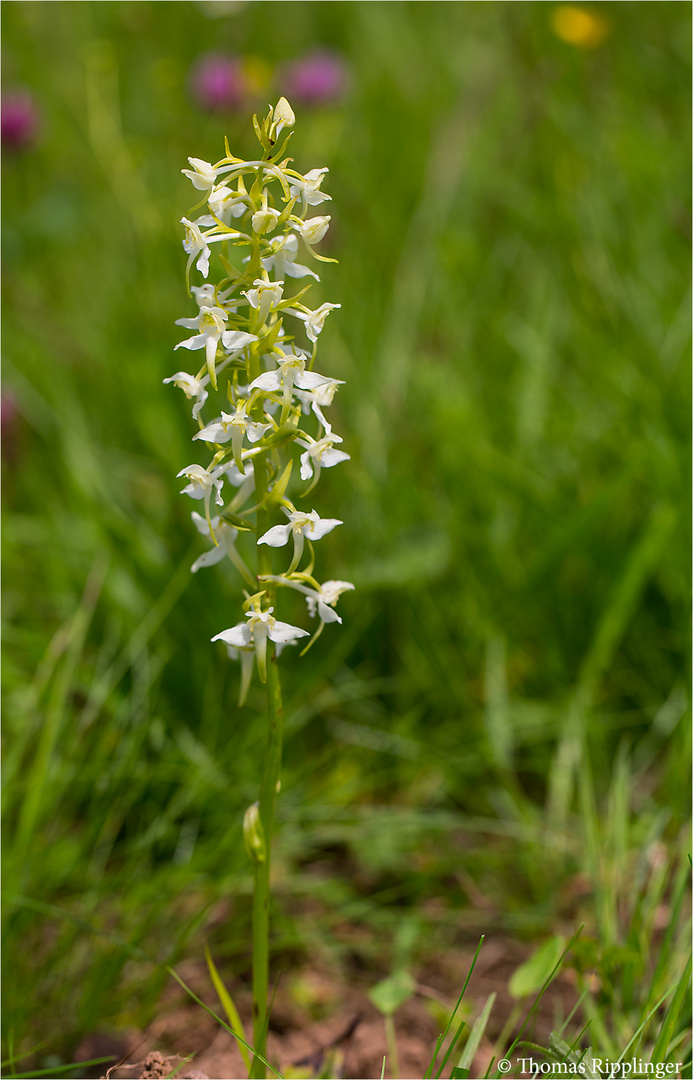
(505, 708)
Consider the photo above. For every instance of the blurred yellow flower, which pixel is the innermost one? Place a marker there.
(257, 73)
(579, 27)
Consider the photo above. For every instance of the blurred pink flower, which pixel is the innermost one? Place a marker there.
(316, 78)
(217, 82)
(19, 119)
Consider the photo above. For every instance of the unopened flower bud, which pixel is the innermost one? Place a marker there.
(314, 229)
(253, 834)
(283, 115)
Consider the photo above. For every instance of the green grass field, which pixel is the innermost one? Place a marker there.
(508, 697)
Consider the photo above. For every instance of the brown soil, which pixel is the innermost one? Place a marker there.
(320, 1024)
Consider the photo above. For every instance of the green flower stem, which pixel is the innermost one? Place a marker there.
(391, 1040)
(268, 799)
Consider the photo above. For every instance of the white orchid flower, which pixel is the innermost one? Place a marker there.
(281, 260)
(309, 188)
(234, 426)
(192, 388)
(260, 626)
(265, 219)
(224, 204)
(195, 244)
(321, 600)
(320, 454)
(224, 537)
(314, 320)
(205, 295)
(203, 175)
(290, 372)
(202, 483)
(319, 399)
(220, 431)
(324, 599)
(300, 526)
(210, 324)
(313, 229)
(196, 386)
(264, 297)
(234, 341)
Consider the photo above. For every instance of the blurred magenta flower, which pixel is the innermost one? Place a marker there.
(316, 78)
(19, 119)
(217, 82)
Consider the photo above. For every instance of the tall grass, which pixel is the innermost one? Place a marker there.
(507, 707)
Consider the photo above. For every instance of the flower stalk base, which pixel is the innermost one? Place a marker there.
(261, 893)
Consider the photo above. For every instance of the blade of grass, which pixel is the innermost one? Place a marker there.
(179, 1066)
(220, 1021)
(50, 909)
(666, 1032)
(436, 1051)
(453, 1043)
(452, 1017)
(608, 632)
(37, 781)
(476, 1035)
(229, 1007)
(647, 1019)
(676, 902)
(57, 1070)
(12, 1060)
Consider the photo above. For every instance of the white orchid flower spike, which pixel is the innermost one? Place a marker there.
(261, 428)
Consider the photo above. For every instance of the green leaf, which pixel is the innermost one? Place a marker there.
(459, 1074)
(388, 995)
(532, 975)
(475, 1036)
